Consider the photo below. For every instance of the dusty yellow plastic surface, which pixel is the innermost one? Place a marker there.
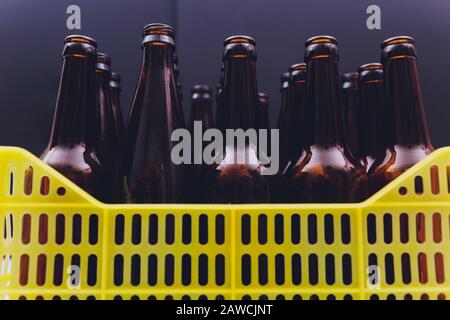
(311, 251)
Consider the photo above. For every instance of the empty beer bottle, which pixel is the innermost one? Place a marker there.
(238, 178)
(296, 106)
(411, 140)
(372, 115)
(350, 104)
(325, 171)
(118, 192)
(151, 175)
(107, 142)
(200, 172)
(71, 149)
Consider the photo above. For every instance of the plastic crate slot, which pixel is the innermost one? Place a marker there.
(41, 269)
(297, 297)
(313, 264)
(93, 229)
(45, 186)
(168, 297)
(295, 228)
(280, 297)
(119, 229)
(135, 278)
(246, 269)
(41, 298)
(75, 298)
(202, 297)
(92, 270)
(387, 223)
(135, 297)
(404, 228)
(26, 228)
(203, 269)
(346, 234)
(246, 297)
(153, 229)
(56, 298)
(371, 228)
(151, 297)
(203, 229)
(58, 270)
(117, 298)
(329, 228)
(389, 268)
(262, 269)
(220, 229)
(186, 269)
(186, 232)
(263, 297)
(118, 270)
(11, 183)
(136, 229)
(418, 185)
(434, 179)
(420, 227)
(279, 269)
(437, 227)
(60, 228)
(262, 229)
(279, 229)
(406, 268)
(314, 297)
(152, 278)
(43, 229)
(374, 297)
(439, 267)
(423, 268)
(441, 296)
(24, 269)
(76, 229)
(22, 298)
(408, 296)
(331, 297)
(170, 229)
(169, 269)
(424, 297)
(220, 269)
(220, 297)
(90, 298)
(185, 297)
(245, 229)
(347, 269)
(348, 297)
(296, 261)
(312, 229)
(330, 276)
(28, 181)
(391, 297)
(76, 263)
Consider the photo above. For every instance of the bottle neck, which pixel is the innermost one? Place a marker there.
(75, 107)
(404, 97)
(373, 129)
(323, 115)
(240, 94)
(201, 110)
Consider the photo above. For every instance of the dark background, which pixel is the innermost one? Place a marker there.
(32, 33)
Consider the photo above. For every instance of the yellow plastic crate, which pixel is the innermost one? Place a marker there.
(298, 251)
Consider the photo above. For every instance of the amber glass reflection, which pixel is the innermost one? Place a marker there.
(410, 141)
(326, 171)
(151, 175)
(71, 149)
(350, 104)
(239, 182)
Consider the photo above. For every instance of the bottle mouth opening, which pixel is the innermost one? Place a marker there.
(80, 39)
(159, 28)
(239, 39)
(321, 39)
(397, 40)
(103, 58)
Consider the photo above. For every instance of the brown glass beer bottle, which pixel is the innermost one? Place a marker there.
(325, 171)
(238, 181)
(372, 115)
(71, 149)
(350, 104)
(411, 140)
(200, 172)
(263, 112)
(115, 89)
(151, 175)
